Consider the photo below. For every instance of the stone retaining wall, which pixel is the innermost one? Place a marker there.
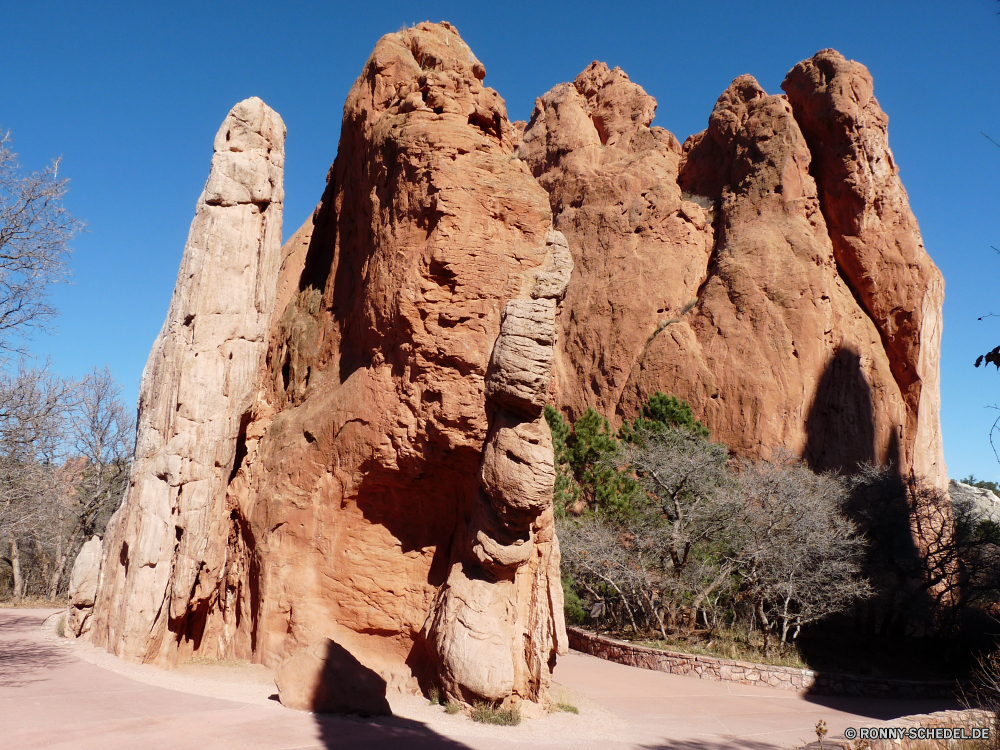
(969, 719)
(746, 673)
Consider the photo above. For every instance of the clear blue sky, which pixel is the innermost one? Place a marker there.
(131, 94)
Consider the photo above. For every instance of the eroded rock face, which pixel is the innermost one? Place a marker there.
(640, 248)
(875, 236)
(721, 272)
(341, 443)
(165, 551)
(431, 243)
(410, 352)
(510, 552)
(982, 503)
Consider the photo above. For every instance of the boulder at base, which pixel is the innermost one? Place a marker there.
(83, 586)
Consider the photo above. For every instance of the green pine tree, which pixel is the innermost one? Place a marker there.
(567, 491)
(660, 412)
(585, 464)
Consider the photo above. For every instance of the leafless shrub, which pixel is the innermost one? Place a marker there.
(656, 567)
(64, 449)
(703, 539)
(800, 557)
(984, 693)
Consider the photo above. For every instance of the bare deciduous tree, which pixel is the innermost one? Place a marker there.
(64, 444)
(34, 405)
(64, 450)
(801, 557)
(35, 230)
(102, 431)
(659, 564)
(772, 534)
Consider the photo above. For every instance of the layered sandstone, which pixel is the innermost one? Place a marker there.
(792, 314)
(510, 552)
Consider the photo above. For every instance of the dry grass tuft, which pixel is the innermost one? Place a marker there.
(488, 713)
(564, 707)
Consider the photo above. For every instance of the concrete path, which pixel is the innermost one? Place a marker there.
(52, 695)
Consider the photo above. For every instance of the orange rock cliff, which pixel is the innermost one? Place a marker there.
(769, 270)
(342, 439)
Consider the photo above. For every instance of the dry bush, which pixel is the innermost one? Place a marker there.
(651, 567)
(490, 713)
(800, 557)
(705, 541)
(64, 452)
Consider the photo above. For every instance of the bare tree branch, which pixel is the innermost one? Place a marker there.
(35, 230)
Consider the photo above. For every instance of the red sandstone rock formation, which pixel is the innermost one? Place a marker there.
(366, 469)
(347, 455)
(875, 237)
(720, 272)
(410, 352)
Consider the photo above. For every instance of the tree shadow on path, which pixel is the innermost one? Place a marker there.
(721, 743)
(24, 661)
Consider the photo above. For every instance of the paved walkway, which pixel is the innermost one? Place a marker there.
(52, 696)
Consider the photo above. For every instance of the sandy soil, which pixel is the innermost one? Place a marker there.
(59, 693)
(254, 683)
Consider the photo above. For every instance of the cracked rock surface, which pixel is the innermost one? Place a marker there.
(314, 419)
(164, 550)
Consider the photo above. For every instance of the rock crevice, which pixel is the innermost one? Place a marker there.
(786, 293)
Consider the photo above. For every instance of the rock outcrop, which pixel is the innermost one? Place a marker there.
(342, 469)
(982, 503)
(165, 552)
(769, 271)
(384, 479)
(510, 552)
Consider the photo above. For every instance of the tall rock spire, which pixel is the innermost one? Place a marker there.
(165, 548)
(315, 474)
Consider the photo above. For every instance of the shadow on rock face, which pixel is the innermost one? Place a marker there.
(841, 425)
(327, 678)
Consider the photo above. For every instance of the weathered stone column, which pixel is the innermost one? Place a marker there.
(498, 622)
(164, 553)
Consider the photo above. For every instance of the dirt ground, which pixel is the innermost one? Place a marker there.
(57, 693)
